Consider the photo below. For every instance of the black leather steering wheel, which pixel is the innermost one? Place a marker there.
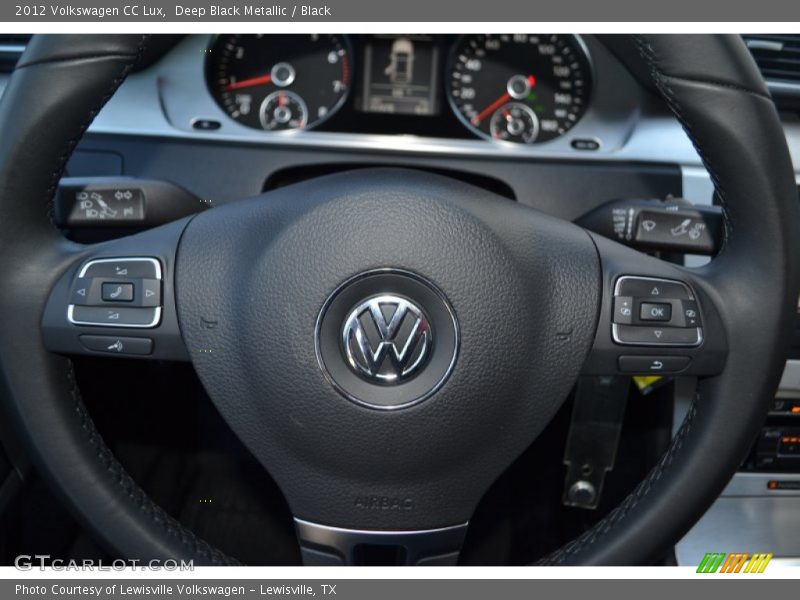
(504, 306)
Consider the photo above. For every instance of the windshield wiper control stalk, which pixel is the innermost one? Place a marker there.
(673, 225)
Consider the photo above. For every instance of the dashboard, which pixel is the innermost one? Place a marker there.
(201, 87)
(522, 88)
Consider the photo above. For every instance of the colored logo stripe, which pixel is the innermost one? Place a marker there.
(734, 563)
(711, 562)
(758, 563)
(737, 562)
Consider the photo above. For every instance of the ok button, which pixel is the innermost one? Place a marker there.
(655, 311)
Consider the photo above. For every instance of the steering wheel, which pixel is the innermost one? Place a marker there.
(386, 342)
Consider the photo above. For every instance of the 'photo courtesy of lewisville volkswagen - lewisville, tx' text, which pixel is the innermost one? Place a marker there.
(285, 290)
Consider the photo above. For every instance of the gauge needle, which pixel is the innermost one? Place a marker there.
(498, 103)
(246, 83)
(476, 120)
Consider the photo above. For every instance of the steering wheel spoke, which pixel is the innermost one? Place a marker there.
(655, 318)
(117, 300)
(321, 545)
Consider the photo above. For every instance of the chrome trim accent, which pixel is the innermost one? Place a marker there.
(12, 48)
(648, 278)
(163, 100)
(367, 363)
(646, 133)
(419, 545)
(755, 484)
(156, 309)
(95, 261)
(789, 386)
(615, 335)
(749, 524)
(699, 189)
(153, 323)
(290, 77)
(785, 88)
(697, 185)
(761, 44)
(448, 308)
(615, 330)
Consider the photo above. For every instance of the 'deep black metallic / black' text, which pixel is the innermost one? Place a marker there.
(253, 10)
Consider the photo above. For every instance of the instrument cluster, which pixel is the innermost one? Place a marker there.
(516, 88)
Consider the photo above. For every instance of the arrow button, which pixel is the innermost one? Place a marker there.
(652, 364)
(151, 292)
(657, 336)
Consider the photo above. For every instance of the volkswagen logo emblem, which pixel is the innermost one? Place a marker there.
(386, 339)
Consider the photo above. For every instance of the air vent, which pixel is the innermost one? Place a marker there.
(778, 56)
(11, 47)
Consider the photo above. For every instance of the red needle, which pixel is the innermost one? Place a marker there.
(491, 108)
(498, 103)
(245, 83)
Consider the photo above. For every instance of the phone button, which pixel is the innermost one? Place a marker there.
(117, 292)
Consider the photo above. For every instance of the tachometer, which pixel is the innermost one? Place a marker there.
(519, 88)
(279, 82)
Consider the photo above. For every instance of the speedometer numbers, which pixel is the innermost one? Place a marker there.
(280, 82)
(519, 88)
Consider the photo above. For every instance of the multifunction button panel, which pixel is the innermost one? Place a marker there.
(655, 312)
(117, 292)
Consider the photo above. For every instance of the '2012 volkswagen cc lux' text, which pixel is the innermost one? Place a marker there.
(399, 299)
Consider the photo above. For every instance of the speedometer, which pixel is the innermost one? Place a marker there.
(279, 82)
(522, 88)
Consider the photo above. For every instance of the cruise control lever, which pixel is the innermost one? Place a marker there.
(674, 225)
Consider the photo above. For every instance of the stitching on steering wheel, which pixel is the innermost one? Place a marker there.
(78, 57)
(198, 546)
(131, 60)
(134, 492)
(661, 80)
(172, 528)
(597, 532)
(720, 84)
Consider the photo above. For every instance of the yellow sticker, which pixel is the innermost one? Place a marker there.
(646, 382)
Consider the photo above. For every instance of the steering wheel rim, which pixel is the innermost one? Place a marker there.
(697, 76)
